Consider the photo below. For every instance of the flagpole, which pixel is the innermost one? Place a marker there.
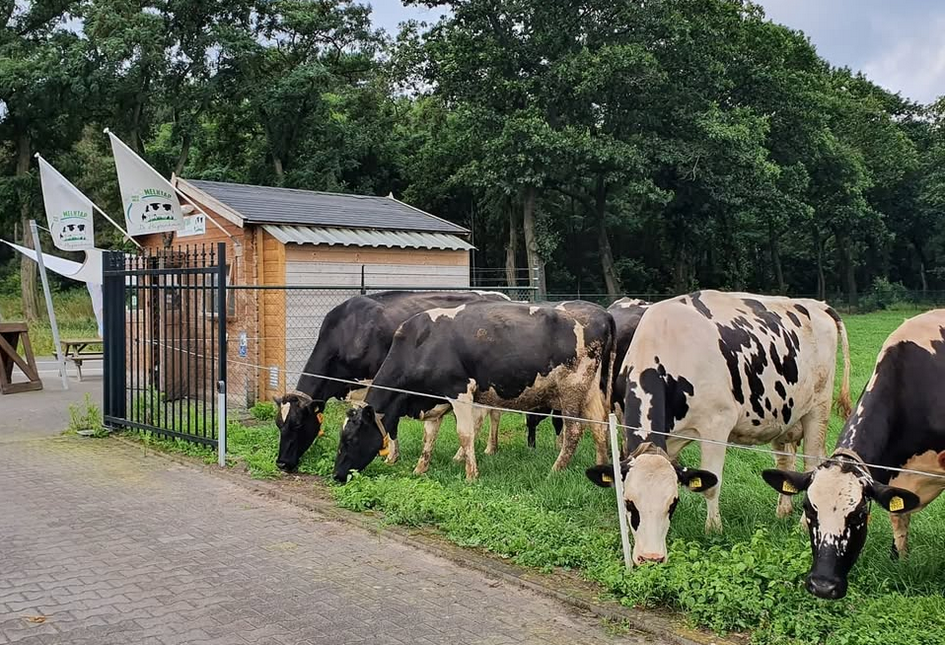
(61, 359)
(115, 224)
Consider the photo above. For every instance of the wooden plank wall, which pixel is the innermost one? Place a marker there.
(272, 314)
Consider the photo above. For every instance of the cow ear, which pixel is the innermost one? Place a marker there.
(894, 500)
(602, 475)
(697, 481)
(352, 413)
(787, 482)
(314, 406)
(941, 460)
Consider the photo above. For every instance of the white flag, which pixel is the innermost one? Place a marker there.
(149, 200)
(68, 211)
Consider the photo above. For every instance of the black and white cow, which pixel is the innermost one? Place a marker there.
(626, 313)
(899, 422)
(508, 355)
(726, 367)
(353, 342)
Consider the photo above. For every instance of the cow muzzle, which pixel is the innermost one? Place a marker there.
(649, 558)
(825, 587)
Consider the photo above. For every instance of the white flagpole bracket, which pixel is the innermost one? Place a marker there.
(60, 357)
(618, 488)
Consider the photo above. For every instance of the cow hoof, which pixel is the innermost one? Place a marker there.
(391, 459)
(713, 526)
(784, 511)
(472, 475)
(460, 455)
(420, 471)
(491, 450)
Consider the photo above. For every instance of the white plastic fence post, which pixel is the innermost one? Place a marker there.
(221, 424)
(618, 488)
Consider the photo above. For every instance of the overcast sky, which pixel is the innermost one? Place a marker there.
(899, 44)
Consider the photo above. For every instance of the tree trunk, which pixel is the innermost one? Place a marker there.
(776, 261)
(184, 153)
(681, 271)
(611, 279)
(277, 166)
(531, 240)
(28, 293)
(511, 271)
(821, 283)
(925, 284)
(849, 270)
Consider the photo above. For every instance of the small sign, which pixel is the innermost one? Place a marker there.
(243, 344)
(193, 225)
(274, 377)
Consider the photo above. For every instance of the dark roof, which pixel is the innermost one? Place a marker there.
(269, 205)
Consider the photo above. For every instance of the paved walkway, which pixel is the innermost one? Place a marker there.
(101, 544)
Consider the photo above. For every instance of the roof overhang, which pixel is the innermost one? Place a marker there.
(209, 201)
(366, 237)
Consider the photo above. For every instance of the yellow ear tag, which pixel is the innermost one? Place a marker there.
(695, 482)
(896, 504)
(607, 479)
(788, 487)
(385, 447)
(320, 417)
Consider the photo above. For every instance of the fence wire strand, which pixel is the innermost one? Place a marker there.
(582, 420)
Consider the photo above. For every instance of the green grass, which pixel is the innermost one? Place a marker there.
(74, 316)
(747, 579)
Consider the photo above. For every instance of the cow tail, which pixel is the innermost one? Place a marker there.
(844, 404)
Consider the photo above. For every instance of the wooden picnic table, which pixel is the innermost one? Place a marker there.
(12, 335)
(77, 351)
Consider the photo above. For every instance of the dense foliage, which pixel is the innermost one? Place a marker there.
(620, 146)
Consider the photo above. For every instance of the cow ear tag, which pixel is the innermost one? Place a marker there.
(320, 417)
(321, 430)
(607, 479)
(896, 504)
(385, 447)
(788, 487)
(695, 483)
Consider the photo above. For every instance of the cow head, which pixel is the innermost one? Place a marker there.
(651, 490)
(363, 437)
(839, 495)
(299, 419)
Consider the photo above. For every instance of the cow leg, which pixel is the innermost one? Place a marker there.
(713, 460)
(394, 453)
(531, 422)
(492, 445)
(569, 442)
(468, 420)
(460, 453)
(900, 526)
(815, 435)
(431, 428)
(787, 462)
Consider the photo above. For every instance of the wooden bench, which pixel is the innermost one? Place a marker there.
(77, 351)
(11, 336)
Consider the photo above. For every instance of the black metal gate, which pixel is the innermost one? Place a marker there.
(165, 341)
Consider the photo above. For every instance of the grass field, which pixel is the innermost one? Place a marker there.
(749, 579)
(73, 314)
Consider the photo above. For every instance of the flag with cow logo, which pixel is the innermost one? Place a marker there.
(68, 211)
(149, 200)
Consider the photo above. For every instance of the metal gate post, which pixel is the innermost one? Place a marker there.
(114, 402)
(221, 343)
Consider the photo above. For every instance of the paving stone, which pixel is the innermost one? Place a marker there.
(115, 546)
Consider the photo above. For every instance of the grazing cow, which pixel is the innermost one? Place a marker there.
(626, 313)
(899, 422)
(508, 355)
(354, 339)
(725, 367)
